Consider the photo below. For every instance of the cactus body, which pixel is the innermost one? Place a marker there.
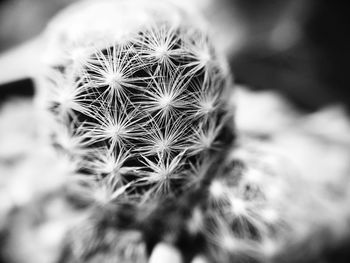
(142, 113)
(144, 110)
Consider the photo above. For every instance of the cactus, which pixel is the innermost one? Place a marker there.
(139, 113)
(145, 120)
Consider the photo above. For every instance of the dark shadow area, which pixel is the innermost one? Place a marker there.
(312, 71)
(19, 88)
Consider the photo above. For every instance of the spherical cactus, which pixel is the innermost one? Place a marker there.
(140, 111)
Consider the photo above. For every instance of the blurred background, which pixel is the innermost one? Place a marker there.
(297, 47)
